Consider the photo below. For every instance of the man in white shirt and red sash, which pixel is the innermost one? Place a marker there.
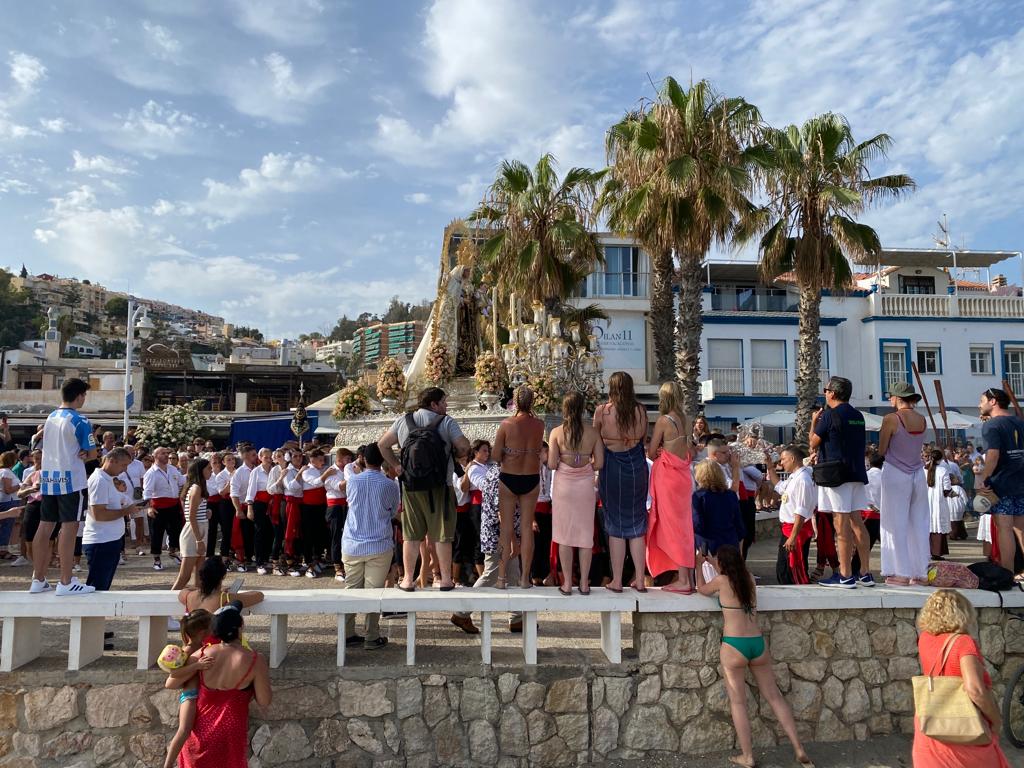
(257, 499)
(161, 489)
(799, 499)
(239, 488)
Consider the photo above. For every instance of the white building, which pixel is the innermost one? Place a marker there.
(968, 335)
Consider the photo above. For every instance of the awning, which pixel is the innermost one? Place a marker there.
(872, 422)
(934, 257)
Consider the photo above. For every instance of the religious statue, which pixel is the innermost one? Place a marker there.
(468, 328)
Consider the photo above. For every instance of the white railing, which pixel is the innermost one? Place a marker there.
(962, 305)
(893, 377)
(991, 306)
(1016, 382)
(769, 381)
(727, 381)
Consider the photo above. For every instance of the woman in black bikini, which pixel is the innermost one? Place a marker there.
(517, 448)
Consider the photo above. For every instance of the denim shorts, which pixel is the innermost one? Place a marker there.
(1009, 505)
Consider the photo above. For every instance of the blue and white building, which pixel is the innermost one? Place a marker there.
(913, 306)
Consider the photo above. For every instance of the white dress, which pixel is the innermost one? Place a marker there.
(957, 504)
(938, 505)
(985, 528)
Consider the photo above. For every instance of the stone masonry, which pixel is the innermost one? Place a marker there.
(845, 673)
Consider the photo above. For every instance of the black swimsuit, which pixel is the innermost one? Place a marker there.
(520, 485)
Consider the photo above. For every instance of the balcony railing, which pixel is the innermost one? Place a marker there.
(626, 285)
(727, 381)
(923, 305)
(751, 302)
(1016, 382)
(769, 381)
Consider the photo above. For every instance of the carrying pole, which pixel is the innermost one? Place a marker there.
(924, 396)
(942, 412)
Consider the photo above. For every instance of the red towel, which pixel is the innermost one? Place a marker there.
(293, 524)
(237, 542)
(670, 520)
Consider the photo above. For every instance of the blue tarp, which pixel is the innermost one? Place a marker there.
(269, 431)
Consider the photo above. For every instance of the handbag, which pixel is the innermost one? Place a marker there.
(829, 474)
(943, 709)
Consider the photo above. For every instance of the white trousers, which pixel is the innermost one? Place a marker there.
(905, 523)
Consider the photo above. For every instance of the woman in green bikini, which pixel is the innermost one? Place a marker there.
(743, 646)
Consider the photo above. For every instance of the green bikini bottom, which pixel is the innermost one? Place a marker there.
(751, 647)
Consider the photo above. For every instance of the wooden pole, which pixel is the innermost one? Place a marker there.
(942, 412)
(924, 396)
(1013, 398)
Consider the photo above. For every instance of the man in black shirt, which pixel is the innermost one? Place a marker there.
(1003, 433)
(837, 434)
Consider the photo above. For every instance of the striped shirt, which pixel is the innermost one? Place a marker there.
(65, 434)
(372, 503)
(201, 513)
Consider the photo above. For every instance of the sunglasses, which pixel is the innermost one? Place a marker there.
(990, 393)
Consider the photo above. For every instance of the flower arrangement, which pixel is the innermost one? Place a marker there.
(353, 402)
(490, 374)
(171, 426)
(390, 380)
(546, 397)
(439, 367)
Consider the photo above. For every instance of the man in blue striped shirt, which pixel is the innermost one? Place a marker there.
(367, 545)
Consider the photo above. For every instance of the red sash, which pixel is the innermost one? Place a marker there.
(214, 498)
(870, 514)
(331, 502)
(314, 496)
(543, 508)
(293, 526)
(476, 497)
(237, 541)
(797, 566)
(163, 502)
(275, 508)
(262, 496)
(462, 509)
(827, 539)
(744, 494)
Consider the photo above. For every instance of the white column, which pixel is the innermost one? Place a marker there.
(86, 640)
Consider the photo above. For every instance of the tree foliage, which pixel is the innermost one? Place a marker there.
(21, 315)
(116, 308)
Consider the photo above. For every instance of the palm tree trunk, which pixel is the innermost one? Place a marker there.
(808, 360)
(662, 274)
(689, 324)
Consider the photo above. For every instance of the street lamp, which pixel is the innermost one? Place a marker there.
(138, 319)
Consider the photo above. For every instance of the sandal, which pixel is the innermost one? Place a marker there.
(407, 589)
(610, 588)
(583, 591)
(567, 594)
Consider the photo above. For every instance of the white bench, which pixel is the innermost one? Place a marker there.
(22, 614)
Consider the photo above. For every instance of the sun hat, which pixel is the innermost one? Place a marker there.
(904, 391)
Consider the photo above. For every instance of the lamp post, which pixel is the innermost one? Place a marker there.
(138, 318)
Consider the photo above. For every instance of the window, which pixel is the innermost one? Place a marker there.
(768, 354)
(725, 363)
(1013, 367)
(929, 359)
(620, 271)
(981, 361)
(768, 375)
(918, 285)
(894, 366)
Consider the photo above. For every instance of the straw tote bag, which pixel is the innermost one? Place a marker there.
(944, 710)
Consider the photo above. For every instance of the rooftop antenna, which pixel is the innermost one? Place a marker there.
(944, 241)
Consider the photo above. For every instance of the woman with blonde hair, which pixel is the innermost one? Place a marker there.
(517, 447)
(716, 516)
(576, 452)
(670, 521)
(946, 647)
(623, 482)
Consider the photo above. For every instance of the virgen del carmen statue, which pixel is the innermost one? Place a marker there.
(479, 342)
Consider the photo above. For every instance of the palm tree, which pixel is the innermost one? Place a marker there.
(817, 182)
(541, 246)
(681, 178)
(631, 201)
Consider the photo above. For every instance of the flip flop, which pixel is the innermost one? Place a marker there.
(566, 593)
(639, 589)
(584, 593)
(613, 589)
(447, 589)
(677, 590)
(407, 589)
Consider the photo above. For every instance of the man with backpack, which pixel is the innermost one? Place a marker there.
(1002, 480)
(429, 441)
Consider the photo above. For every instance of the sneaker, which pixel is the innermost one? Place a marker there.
(158, 566)
(295, 572)
(515, 626)
(39, 586)
(279, 571)
(176, 558)
(173, 625)
(865, 580)
(20, 560)
(375, 645)
(339, 577)
(73, 587)
(240, 567)
(311, 573)
(121, 560)
(141, 552)
(465, 623)
(76, 568)
(354, 640)
(835, 580)
(262, 570)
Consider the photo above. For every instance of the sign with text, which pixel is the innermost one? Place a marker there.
(623, 343)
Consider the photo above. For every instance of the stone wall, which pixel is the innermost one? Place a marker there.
(845, 673)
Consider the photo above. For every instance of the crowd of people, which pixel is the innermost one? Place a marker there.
(604, 501)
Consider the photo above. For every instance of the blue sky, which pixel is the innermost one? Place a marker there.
(282, 162)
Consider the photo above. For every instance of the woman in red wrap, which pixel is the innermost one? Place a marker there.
(670, 520)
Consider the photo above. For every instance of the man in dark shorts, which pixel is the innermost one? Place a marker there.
(68, 442)
(1003, 434)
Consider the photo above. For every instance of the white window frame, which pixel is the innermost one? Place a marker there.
(920, 355)
(986, 349)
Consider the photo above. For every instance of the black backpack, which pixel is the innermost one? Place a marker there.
(424, 456)
(992, 576)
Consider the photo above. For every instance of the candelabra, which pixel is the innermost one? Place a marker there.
(539, 350)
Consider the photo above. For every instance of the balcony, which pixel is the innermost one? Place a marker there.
(727, 381)
(1016, 382)
(615, 285)
(729, 301)
(769, 381)
(964, 305)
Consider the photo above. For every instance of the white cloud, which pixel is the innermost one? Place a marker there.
(55, 125)
(161, 42)
(294, 22)
(44, 235)
(12, 130)
(26, 71)
(158, 129)
(271, 88)
(97, 164)
(163, 208)
(258, 188)
(9, 184)
(418, 198)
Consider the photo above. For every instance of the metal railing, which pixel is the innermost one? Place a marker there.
(629, 285)
(752, 302)
(727, 381)
(1016, 382)
(769, 381)
(893, 377)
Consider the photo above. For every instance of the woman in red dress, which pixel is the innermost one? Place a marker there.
(220, 736)
(948, 616)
